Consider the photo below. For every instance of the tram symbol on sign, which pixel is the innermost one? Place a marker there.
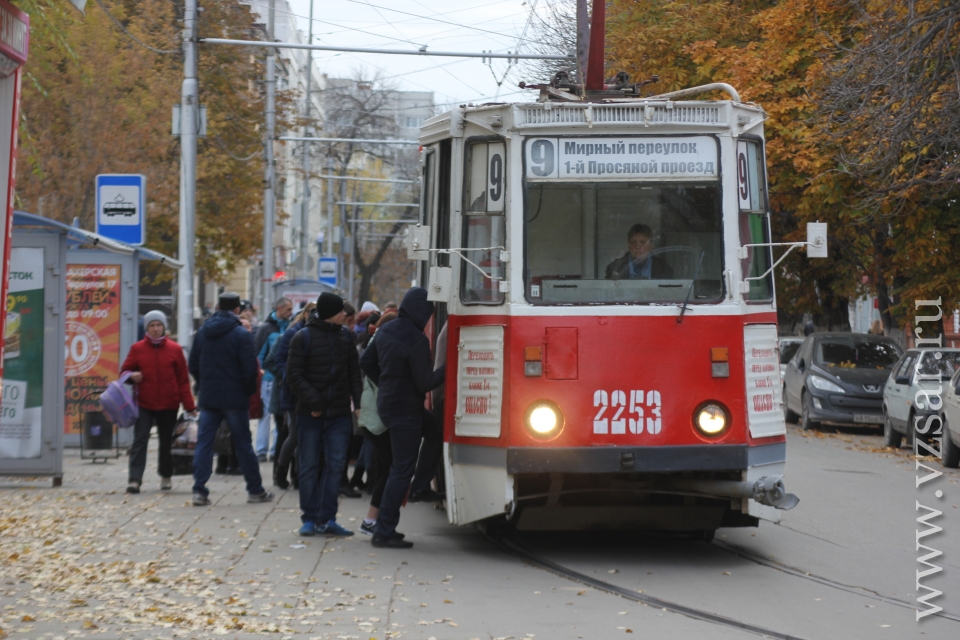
(122, 207)
(119, 207)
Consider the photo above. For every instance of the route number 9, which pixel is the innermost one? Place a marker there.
(495, 177)
(542, 158)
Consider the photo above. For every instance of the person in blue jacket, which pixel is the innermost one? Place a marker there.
(224, 366)
(400, 364)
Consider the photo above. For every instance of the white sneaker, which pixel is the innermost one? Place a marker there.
(166, 484)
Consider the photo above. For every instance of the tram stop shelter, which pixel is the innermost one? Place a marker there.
(71, 320)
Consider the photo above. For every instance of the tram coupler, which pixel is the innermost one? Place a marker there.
(768, 490)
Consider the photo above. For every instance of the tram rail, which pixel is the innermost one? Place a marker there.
(513, 547)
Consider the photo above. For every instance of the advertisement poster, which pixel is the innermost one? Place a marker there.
(92, 344)
(22, 406)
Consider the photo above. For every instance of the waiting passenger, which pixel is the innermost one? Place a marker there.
(637, 261)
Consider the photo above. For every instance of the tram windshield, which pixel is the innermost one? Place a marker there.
(641, 243)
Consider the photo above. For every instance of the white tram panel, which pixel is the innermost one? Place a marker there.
(762, 378)
(479, 381)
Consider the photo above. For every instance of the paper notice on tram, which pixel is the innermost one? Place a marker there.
(762, 379)
(636, 157)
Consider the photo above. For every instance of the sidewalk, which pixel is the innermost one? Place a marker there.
(88, 560)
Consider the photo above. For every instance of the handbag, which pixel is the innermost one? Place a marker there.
(222, 443)
(185, 435)
(183, 444)
(119, 404)
(369, 419)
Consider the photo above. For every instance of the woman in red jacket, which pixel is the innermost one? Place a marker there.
(160, 372)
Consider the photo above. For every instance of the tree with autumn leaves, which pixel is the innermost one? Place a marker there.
(862, 130)
(98, 93)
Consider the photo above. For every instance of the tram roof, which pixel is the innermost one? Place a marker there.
(652, 113)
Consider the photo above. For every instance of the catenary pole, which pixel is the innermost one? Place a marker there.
(330, 198)
(189, 111)
(305, 157)
(269, 197)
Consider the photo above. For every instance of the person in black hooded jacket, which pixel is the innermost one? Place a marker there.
(400, 364)
(324, 375)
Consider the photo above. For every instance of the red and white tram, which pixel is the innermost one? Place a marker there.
(612, 341)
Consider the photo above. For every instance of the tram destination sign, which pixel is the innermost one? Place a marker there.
(643, 158)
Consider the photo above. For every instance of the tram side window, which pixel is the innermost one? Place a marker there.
(484, 225)
(754, 222)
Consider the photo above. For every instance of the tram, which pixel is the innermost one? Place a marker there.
(604, 271)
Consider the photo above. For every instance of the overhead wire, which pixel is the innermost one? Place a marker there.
(133, 37)
(456, 24)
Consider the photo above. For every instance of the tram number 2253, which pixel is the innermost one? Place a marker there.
(626, 415)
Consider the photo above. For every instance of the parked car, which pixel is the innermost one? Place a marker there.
(950, 435)
(915, 391)
(838, 378)
(787, 347)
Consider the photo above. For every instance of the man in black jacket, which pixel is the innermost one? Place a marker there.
(324, 374)
(399, 363)
(224, 366)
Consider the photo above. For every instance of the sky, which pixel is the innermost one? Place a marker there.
(441, 25)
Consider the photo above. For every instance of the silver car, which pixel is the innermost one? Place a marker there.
(914, 392)
(950, 443)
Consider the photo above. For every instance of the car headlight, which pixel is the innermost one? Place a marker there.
(825, 385)
(711, 419)
(544, 420)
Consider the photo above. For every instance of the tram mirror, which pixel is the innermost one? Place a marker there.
(418, 241)
(816, 239)
(440, 282)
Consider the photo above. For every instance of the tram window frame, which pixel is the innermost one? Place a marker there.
(427, 206)
(497, 217)
(753, 217)
(591, 236)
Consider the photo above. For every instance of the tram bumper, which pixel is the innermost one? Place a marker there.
(663, 459)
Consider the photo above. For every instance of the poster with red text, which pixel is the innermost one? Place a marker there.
(93, 336)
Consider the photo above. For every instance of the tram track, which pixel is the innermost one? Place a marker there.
(799, 573)
(514, 548)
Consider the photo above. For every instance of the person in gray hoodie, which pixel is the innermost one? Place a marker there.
(400, 364)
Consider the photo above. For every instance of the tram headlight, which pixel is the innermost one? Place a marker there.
(711, 419)
(544, 420)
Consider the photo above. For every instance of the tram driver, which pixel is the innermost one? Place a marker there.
(638, 262)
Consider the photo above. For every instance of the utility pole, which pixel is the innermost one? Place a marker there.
(305, 151)
(269, 197)
(189, 111)
(330, 185)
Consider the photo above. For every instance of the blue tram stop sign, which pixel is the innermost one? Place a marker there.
(122, 207)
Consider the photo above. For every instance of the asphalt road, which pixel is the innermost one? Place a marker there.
(87, 560)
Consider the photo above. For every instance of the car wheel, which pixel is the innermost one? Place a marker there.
(951, 452)
(806, 423)
(788, 416)
(891, 437)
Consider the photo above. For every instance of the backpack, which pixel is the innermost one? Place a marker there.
(119, 404)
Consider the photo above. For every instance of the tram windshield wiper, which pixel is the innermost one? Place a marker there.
(683, 309)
